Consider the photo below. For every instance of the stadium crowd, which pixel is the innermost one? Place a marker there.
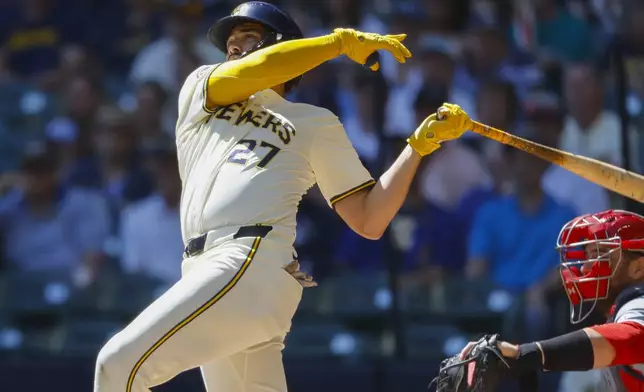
(90, 188)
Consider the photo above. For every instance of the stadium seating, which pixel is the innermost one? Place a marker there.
(354, 296)
(83, 337)
(327, 340)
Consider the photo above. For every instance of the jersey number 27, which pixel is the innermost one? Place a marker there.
(240, 156)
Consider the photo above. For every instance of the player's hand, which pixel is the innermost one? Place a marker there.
(430, 133)
(358, 46)
(508, 350)
(304, 279)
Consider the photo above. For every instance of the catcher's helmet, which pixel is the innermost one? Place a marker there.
(278, 24)
(591, 248)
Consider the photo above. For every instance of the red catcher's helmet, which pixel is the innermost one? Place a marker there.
(585, 245)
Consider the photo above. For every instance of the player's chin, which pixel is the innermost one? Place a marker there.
(232, 57)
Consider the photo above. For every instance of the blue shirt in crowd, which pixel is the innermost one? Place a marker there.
(519, 248)
(357, 253)
(79, 225)
(443, 234)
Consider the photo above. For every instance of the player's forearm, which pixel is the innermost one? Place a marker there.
(384, 200)
(596, 347)
(234, 81)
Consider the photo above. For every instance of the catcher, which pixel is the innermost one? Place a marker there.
(602, 268)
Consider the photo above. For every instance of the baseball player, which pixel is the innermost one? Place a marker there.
(246, 156)
(602, 268)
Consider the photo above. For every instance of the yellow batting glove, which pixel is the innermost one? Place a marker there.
(432, 131)
(358, 46)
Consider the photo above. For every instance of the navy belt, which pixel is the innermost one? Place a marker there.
(196, 245)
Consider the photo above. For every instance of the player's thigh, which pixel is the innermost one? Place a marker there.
(203, 316)
(257, 369)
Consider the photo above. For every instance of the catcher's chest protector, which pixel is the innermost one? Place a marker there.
(611, 378)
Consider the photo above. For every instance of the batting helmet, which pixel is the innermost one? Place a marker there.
(278, 24)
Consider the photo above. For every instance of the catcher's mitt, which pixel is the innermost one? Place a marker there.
(481, 370)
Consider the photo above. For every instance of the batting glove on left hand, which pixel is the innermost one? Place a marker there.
(453, 122)
(358, 46)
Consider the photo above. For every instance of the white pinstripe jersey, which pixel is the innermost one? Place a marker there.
(251, 162)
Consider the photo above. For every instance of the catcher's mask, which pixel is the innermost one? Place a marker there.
(591, 250)
(278, 24)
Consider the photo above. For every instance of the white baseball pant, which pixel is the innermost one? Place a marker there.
(228, 314)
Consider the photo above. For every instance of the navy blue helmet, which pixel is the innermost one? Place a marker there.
(278, 24)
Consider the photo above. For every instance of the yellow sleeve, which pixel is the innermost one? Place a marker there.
(235, 81)
(338, 170)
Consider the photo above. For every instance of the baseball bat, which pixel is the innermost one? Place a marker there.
(614, 178)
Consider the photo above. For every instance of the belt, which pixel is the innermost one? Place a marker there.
(197, 245)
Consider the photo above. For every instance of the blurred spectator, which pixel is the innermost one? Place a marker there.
(341, 13)
(48, 226)
(151, 229)
(487, 57)
(116, 168)
(318, 230)
(434, 69)
(319, 87)
(453, 171)
(591, 130)
(132, 24)
(355, 254)
(545, 116)
(489, 12)
(552, 32)
(512, 237)
(75, 61)
(148, 116)
(496, 105)
(438, 248)
(441, 24)
(61, 135)
(437, 65)
(309, 22)
(359, 116)
(83, 97)
(442, 16)
(33, 32)
(181, 49)
(632, 26)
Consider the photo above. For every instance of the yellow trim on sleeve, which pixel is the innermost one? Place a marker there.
(351, 191)
(195, 314)
(205, 91)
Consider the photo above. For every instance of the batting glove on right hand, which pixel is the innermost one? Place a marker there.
(430, 133)
(358, 46)
(305, 280)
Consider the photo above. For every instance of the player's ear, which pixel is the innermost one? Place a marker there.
(636, 266)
